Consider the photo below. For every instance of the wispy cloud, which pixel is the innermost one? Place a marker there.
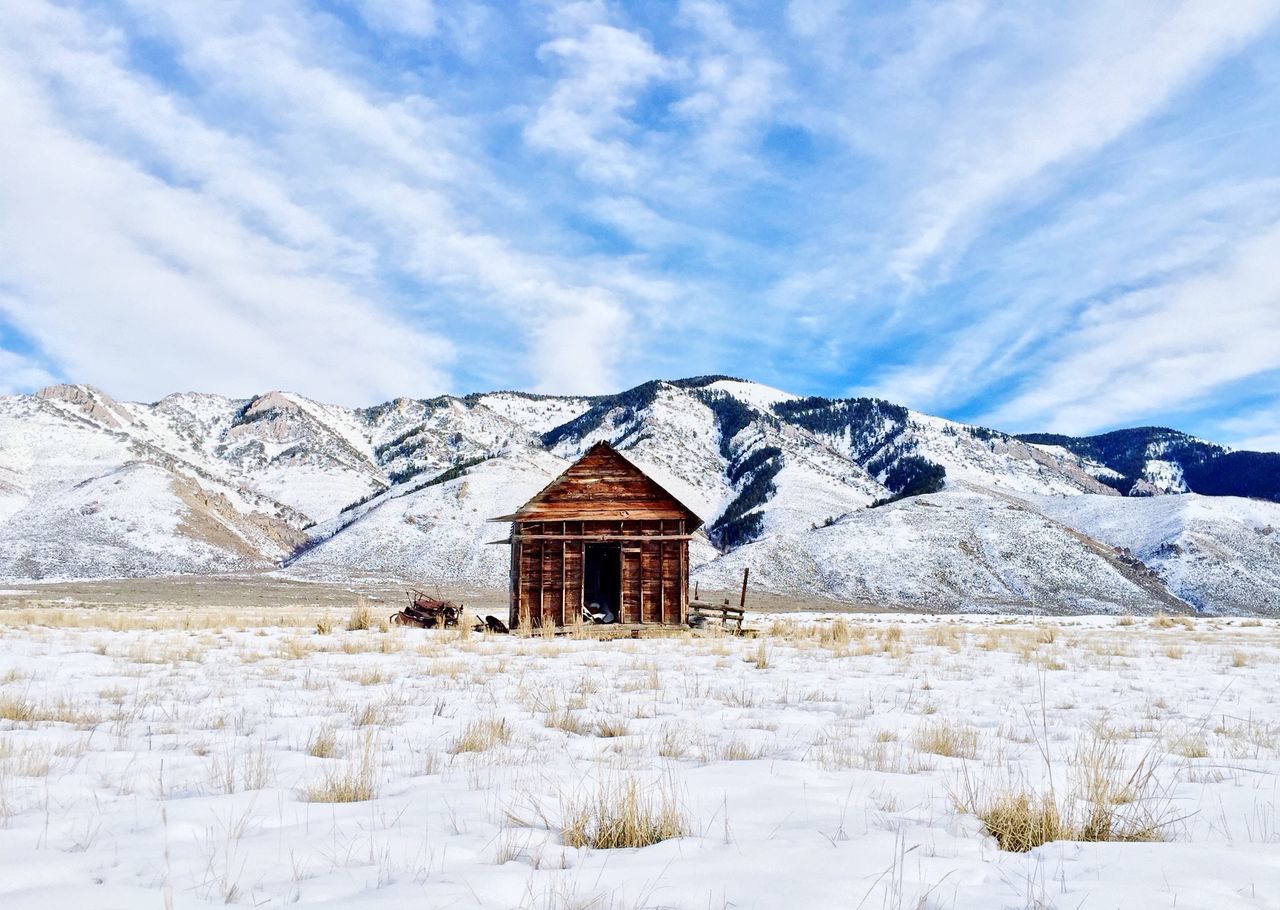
(1129, 66)
(585, 117)
(1163, 346)
(1055, 219)
(19, 373)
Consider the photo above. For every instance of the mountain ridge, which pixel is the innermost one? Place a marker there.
(852, 498)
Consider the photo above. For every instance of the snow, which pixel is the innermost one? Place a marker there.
(1220, 553)
(675, 440)
(536, 415)
(1066, 456)
(1164, 475)
(161, 766)
(441, 532)
(963, 549)
(759, 396)
(1016, 528)
(1004, 464)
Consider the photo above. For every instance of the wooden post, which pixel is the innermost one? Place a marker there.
(742, 601)
(662, 576)
(640, 581)
(684, 577)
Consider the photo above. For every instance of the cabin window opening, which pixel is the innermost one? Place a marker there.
(602, 582)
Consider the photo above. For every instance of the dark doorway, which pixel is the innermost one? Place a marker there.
(602, 579)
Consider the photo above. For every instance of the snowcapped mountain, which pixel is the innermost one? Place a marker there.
(856, 499)
(1148, 461)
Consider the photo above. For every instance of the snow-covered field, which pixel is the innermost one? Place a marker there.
(153, 759)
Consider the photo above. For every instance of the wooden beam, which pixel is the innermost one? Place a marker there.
(607, 537)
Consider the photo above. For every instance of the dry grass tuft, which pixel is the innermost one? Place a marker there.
(22, 710)
(610, 727)
(355, 782)
(17, 709)
(761, 657)
(568, 721)
(622, 813)
(739, 750)
(1022, 821)
(673, 743)
(361, 617)
(1103, 803)
(1190, 746)
(481, 735)
(950, 740)
(323, 743)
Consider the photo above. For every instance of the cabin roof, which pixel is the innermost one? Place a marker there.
(603, 485)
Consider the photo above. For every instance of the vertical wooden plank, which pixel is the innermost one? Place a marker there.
(564, 548)
(582, 576)
(683, 581)
(662, 576)
(630, 582)
(549, 555)
(513, 581)
(526, 582)
(542, 581)
(640, 582)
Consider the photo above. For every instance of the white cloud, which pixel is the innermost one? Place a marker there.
(262, 264)
(416, 18)
(580, 349)
(1255, 430)
(19, 373)
(1162, 348)
(1143, 232)
(585, 115)
(310, 213)
(736, 84)
(138, 286)
(1127, 69)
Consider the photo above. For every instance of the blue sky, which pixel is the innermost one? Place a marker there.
(1035, 216)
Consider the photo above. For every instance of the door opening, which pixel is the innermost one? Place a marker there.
(602, 581)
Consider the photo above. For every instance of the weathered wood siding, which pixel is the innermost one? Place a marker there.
(601, 498)
(548, 560)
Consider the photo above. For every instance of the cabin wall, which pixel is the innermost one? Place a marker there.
(548, 560)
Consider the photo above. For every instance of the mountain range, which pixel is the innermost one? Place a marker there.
(853, 499)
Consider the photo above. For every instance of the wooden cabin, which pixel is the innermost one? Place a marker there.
(603, 536)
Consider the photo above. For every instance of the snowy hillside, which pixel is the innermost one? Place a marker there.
(1221, 554)
(852, 499)
(959, 550)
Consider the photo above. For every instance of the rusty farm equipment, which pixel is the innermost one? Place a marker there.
(425, 612)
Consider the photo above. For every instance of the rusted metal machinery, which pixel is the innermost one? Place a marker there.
(425, 612)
